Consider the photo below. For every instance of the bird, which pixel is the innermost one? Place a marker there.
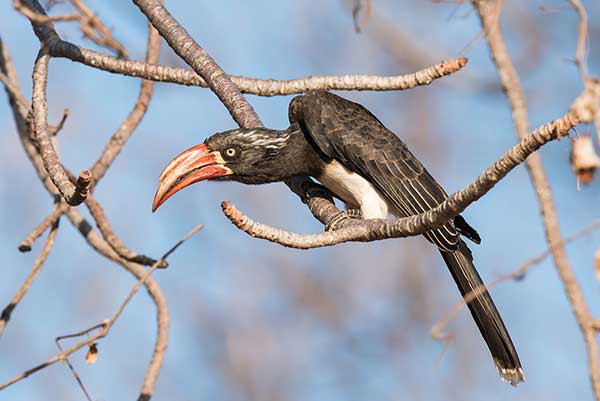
(349, 151)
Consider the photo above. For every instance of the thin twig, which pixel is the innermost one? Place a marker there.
(156, 265)
(91, 26)
(120, 137)
(110, 237)
(437, 330)
(96, 30)
(361, 13)
(104, 326)
(14, 91)
(582, 37)
(54, 130)
(113, 148)
(37, 266)
(41, 18)
(512, 87)
(494, 20)
(27, 243)
(72, 368)
(91, 236)
(60, 357)
(162, 309)
(259, 87)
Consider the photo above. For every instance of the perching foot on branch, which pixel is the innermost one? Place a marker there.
(341, 216)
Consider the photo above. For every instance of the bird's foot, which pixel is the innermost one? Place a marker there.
(341, 216)
(354, 213)
(314, 190)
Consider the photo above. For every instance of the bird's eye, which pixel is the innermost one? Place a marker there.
(230, 152)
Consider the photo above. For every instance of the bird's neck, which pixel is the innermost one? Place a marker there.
(298, 157)
(290, 155)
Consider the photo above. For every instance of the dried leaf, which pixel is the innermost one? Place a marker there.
(584, 159)
(92, 354)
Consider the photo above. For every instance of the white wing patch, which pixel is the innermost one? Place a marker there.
(355, 191)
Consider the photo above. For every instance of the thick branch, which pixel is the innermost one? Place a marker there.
(44, 30)
(371, 230)
(195, 56)
(218, 81)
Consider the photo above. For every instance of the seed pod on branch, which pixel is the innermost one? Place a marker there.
(584, 159)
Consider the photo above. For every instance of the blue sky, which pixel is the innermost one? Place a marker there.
(252, 320)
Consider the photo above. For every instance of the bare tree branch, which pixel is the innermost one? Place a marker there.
(143, 279)
(202, 63)
(27, 243)
(512, 87)
(60, 357)
(120, 137)
(111, 238)
(15, 91)
(376, 229)
(39, 18)
(33, 130)
(361, 13)
(95, 241)
(37, 266)
(94, 29)
(437, 330)
(259, 87)
(73, 194)
(580, 53)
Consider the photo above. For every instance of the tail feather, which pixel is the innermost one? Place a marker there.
(485, 314)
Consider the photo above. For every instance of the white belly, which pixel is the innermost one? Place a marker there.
(355, 191)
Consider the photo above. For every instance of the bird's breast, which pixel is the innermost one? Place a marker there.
(355, 191)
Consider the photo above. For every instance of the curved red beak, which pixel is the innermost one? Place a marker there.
(196, 164)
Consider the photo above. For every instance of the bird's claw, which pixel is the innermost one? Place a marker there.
(315, 191)
(354, 213)
(341, 216)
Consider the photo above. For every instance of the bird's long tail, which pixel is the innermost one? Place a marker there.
(485, 314)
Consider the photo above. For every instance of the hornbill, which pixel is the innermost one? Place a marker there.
(348, 150)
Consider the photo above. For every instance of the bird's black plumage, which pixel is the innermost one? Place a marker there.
(351, 152)
(347, 132)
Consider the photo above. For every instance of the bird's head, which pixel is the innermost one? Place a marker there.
(250, 156)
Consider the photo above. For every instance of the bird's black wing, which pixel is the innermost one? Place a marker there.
(349, 133)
